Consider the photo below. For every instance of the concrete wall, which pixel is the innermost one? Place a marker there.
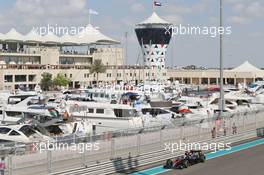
(49, 56)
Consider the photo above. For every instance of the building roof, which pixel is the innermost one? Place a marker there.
(93, 35)
(32, 37)
(13, 36)
(90, 35)
(154, 19)
(1, 36)
(51, 38)
(69, 40)
(246, 67)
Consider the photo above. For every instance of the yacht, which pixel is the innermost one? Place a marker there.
(104, 115)
(78, 128)
(155, 116)
(24, 133)
(22, 108)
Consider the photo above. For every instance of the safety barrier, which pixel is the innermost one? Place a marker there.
(118, 165)
(131, 150)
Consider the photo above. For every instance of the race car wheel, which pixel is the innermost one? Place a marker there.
(186, 164)
(203, 159)
(169, 163)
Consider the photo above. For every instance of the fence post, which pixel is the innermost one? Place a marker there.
(112, 147)
(83, 158)
(161, 138)
(10, 165)
(49, 161)
(138, 143)
(244, 124)
(199, 130)
(182, 132)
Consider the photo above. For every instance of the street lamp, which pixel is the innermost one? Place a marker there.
(222, 100)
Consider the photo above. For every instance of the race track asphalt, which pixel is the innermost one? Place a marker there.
(245, 162)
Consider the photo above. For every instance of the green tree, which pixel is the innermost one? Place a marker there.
(46, 81)
(61, 80)
(97, 67)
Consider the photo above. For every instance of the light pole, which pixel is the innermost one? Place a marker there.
(222, 100)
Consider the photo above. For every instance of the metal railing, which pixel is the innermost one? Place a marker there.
(137, 145)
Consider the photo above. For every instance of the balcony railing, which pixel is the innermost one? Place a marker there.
(29, 52)
(65, 66)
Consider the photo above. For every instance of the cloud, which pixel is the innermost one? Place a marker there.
(26, 14)
(176, 12)
(256, 34)
(54, 8)
(238, 20)
(174, 18)
(178, 9)
(245, 13)
(137, 7)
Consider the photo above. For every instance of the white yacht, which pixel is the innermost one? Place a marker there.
(155, 116)
(20, 108)
(77, 128)
(24, 133)
(105, 115)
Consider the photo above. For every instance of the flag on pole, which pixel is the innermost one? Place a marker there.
(157, 3)
(93, 12)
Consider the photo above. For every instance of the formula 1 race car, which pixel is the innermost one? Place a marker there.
(190, 158)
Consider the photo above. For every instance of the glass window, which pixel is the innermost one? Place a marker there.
(20, 78)
(124, 112)
(31, 78)
(91, 110)
(13, 114)
(8, 78)
(14, 133)
(99, 111)
(27, 130)
(4, 130)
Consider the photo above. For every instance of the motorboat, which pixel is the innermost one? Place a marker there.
(105, 115)
(23, 133)
(23, 108)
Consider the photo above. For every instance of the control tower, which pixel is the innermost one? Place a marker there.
(154, 36)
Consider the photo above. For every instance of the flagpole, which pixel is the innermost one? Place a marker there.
(89, 17)
(153, 5)
(222, 97)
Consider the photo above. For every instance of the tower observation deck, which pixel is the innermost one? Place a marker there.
(154, 38)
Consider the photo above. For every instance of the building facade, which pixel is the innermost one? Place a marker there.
(25, 68)
(245, 73)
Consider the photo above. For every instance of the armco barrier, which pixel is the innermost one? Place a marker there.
(118, 164)
(115, 151)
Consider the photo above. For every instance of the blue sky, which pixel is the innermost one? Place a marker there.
(119, 16)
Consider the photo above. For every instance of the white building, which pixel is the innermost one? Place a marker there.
(245, 73)
(23, 58)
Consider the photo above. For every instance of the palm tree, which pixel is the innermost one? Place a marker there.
(97, 67)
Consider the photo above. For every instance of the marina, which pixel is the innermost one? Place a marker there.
(77, 102)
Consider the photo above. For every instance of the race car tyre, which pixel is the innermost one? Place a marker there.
(181, 167)
(203, 159)
(186, 164)
(169, 163)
